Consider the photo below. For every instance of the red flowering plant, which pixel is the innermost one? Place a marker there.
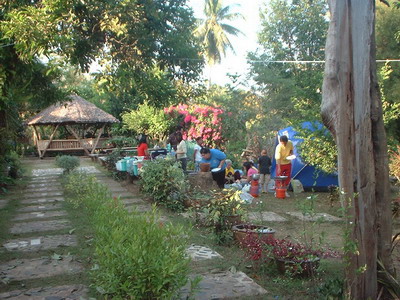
(291, 258)
(199, 121)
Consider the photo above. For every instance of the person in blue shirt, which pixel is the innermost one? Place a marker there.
(216, 159)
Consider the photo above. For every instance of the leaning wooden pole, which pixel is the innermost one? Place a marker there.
(352, 110)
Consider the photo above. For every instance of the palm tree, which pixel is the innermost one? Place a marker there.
(213, 31)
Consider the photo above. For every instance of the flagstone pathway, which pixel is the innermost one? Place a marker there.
(41, 224)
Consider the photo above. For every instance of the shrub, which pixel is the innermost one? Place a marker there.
(128, 263)
(13, 162)
(67, 162)
(164, 181)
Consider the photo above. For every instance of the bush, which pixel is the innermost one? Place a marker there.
(164, 181)
(67, 162)
(128, 263)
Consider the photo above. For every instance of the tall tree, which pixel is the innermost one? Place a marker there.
(292, 31)
(352, 110)
(213, 31)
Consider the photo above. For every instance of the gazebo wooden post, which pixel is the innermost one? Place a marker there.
(79, 140)
(37, 140)
(51, 138)
(98, 138)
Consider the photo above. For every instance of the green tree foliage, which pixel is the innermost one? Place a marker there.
(213, 31)
(148, 120)
(387, 32)
(294, 31)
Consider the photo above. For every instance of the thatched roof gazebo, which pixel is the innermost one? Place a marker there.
(71, 113)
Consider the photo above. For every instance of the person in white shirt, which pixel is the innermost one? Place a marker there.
(181, 151)
(196, 154)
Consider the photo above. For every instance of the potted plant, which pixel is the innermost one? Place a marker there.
(293, 259)
(224, 210)
(242, 232)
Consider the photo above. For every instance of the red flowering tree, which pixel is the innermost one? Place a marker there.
(200, 121)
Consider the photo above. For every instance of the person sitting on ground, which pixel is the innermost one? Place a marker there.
(250, 171)
(216, 159)
(229, 172)
(142, 148)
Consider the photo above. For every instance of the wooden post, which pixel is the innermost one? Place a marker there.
(79, 139)
(51, 138)
(37, 140)
(98, 138)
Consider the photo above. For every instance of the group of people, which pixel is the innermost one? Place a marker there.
(226, 173)
(223, 172)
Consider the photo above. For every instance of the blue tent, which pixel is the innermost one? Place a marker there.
(309, 177)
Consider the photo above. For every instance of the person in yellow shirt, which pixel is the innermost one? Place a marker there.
(283, 165)
(229, 172)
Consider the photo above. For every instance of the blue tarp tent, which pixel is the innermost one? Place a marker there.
(308, 175)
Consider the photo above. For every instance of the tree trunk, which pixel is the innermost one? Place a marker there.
(352, 110)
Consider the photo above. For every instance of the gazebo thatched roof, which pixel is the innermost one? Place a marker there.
(74, 111)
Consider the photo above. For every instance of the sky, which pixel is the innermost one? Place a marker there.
(250, 26)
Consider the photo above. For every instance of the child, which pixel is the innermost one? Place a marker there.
(229, 172)
(264, 165)
(250, 171)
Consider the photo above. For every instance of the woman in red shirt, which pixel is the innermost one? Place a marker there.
(142, 148)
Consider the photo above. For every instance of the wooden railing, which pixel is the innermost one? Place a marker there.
(73, 144)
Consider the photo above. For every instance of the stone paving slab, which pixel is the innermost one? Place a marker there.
(121, 195)
(224, 285)
(3, 203)
(318, 217)
(41, 243)
(117, 189)
(197, 253)
(46, 172)
(42, 200)
(267, 216)
(44, 185)
(131, 201)
(65, 292)
(43, 207)
(44, 180)
(139, 208)
(43, 194)
(39, 215)
(43, 189)
(89, 170)
(39, 226)
(23, 269)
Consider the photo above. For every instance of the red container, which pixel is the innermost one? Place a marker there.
(254, 188)
(280, 193)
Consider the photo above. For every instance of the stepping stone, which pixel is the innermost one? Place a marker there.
(68, 292)
(117, 189)
(23, 269)
(122, 194)
(266, 216)
(42, 200)
(224, 285)
(43, 185)
(197, 253)
(39, 215)
(131, 201)
(43, 189)
(44, 207)
(318, 217)
(49, 171)
(139, 208)
(39, 226)
(44, 180)
(89, 170)
(41, 243)
(43, 194)
(3, 203)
